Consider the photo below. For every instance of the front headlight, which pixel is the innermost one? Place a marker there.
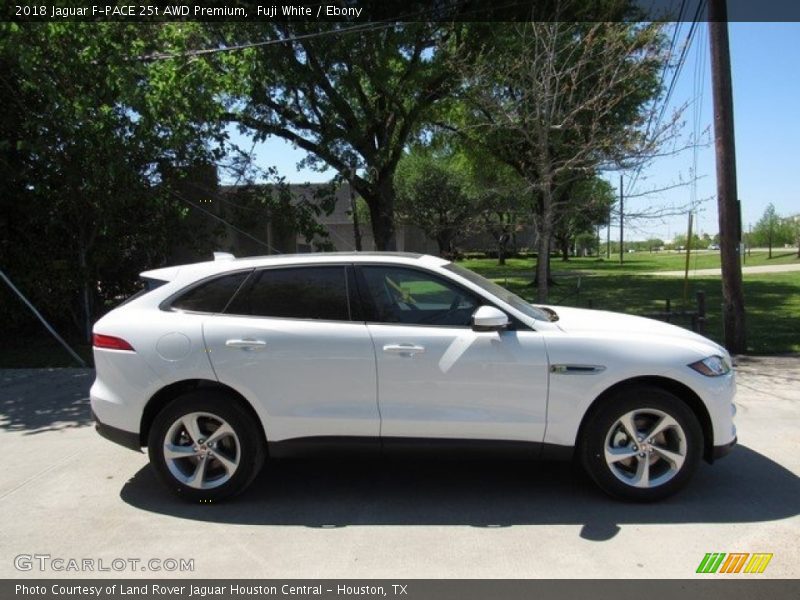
(713, 366)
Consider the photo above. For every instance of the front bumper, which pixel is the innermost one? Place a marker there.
(128, 439)
(724, 450)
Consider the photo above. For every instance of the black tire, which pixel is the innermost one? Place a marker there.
(603, 426)
(246, 445)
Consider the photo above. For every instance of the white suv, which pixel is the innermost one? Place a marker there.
(218, 365)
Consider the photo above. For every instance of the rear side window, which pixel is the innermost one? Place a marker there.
(296, 293)
(211, 296)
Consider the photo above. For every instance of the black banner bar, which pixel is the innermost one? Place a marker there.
(740, 588)
(372, 11)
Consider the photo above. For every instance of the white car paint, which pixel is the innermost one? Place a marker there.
(314, 378)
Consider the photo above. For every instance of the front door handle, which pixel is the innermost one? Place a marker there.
(405, 349)
(247, 344)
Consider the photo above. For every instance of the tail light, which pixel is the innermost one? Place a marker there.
(110, 342)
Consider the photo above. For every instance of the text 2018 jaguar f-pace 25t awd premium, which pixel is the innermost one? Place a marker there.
(222, 364)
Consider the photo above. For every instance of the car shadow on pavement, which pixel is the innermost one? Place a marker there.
(744, 487)
(38, 400)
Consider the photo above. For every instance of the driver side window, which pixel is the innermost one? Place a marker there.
(409, 296)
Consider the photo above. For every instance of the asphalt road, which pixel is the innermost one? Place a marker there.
(67, 493)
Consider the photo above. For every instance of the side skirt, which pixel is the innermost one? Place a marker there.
(417, 448)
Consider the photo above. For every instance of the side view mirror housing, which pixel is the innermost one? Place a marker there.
(489, 318)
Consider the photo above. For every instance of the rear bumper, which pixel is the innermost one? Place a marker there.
(720, 451)
(129, 439)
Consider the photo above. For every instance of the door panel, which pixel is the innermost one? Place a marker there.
(439, 378)
(458, 383)
(308, 378)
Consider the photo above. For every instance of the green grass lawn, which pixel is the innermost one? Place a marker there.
(772, 300)
(639, 262)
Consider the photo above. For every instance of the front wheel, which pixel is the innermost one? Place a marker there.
(643, 444)
(205, 447)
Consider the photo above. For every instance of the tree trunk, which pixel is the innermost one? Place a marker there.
(356, 224)
(545, 235)
(381, 211)
(86, 295)
(501, 253)
(565, 249)
(445, 242)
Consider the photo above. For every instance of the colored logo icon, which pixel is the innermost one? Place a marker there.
(734, 562)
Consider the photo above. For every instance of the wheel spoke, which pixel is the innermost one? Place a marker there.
(630, 427)
(223, 430)
(174, 451)
(614, 455)
(665, 422)
(192, 427)
(230, 465)
(673, 457)
(642, 477)
(196, 479)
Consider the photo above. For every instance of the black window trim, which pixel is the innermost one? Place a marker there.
(166, 305)
(514, 323)
(255, 270)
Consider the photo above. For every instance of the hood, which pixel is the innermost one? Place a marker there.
(579, 320)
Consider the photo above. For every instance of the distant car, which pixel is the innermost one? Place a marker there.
(222, 364)
(714, 247)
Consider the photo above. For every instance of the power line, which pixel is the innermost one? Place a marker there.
(221, 220)
(675, 76)
(363, 28)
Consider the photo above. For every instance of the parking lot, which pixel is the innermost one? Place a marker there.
(67, 493)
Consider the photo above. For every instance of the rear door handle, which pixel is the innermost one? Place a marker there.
(409, 349)
(246, 344)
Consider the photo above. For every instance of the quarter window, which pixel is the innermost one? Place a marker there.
(296, 293)
(414, 297)
(211, 296)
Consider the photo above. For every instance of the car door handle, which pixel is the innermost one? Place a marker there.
(247, 344)
(409, 349)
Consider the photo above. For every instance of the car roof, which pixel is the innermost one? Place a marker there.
(226, 262)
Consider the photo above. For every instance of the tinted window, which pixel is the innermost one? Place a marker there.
(211, 296)
(298, 293)
(409, 296)
(502, 293)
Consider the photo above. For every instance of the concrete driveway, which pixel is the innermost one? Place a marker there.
(67, 493)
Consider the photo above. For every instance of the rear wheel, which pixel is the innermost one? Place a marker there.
(205, 446)
(643, 444)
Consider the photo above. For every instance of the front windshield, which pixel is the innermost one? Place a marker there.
(502, 293)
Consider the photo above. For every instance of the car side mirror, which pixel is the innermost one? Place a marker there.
(489, 318)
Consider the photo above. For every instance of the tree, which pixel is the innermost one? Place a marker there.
(557, 101)
(433, 193)
(353, 102)
(498, 190)
(771, 230)
(83, 207)
(587, 206)
(795, 225)
(698, 243)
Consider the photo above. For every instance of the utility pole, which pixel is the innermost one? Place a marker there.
(727, 198)
(608, 236)
(688, 258)
(621, 219)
